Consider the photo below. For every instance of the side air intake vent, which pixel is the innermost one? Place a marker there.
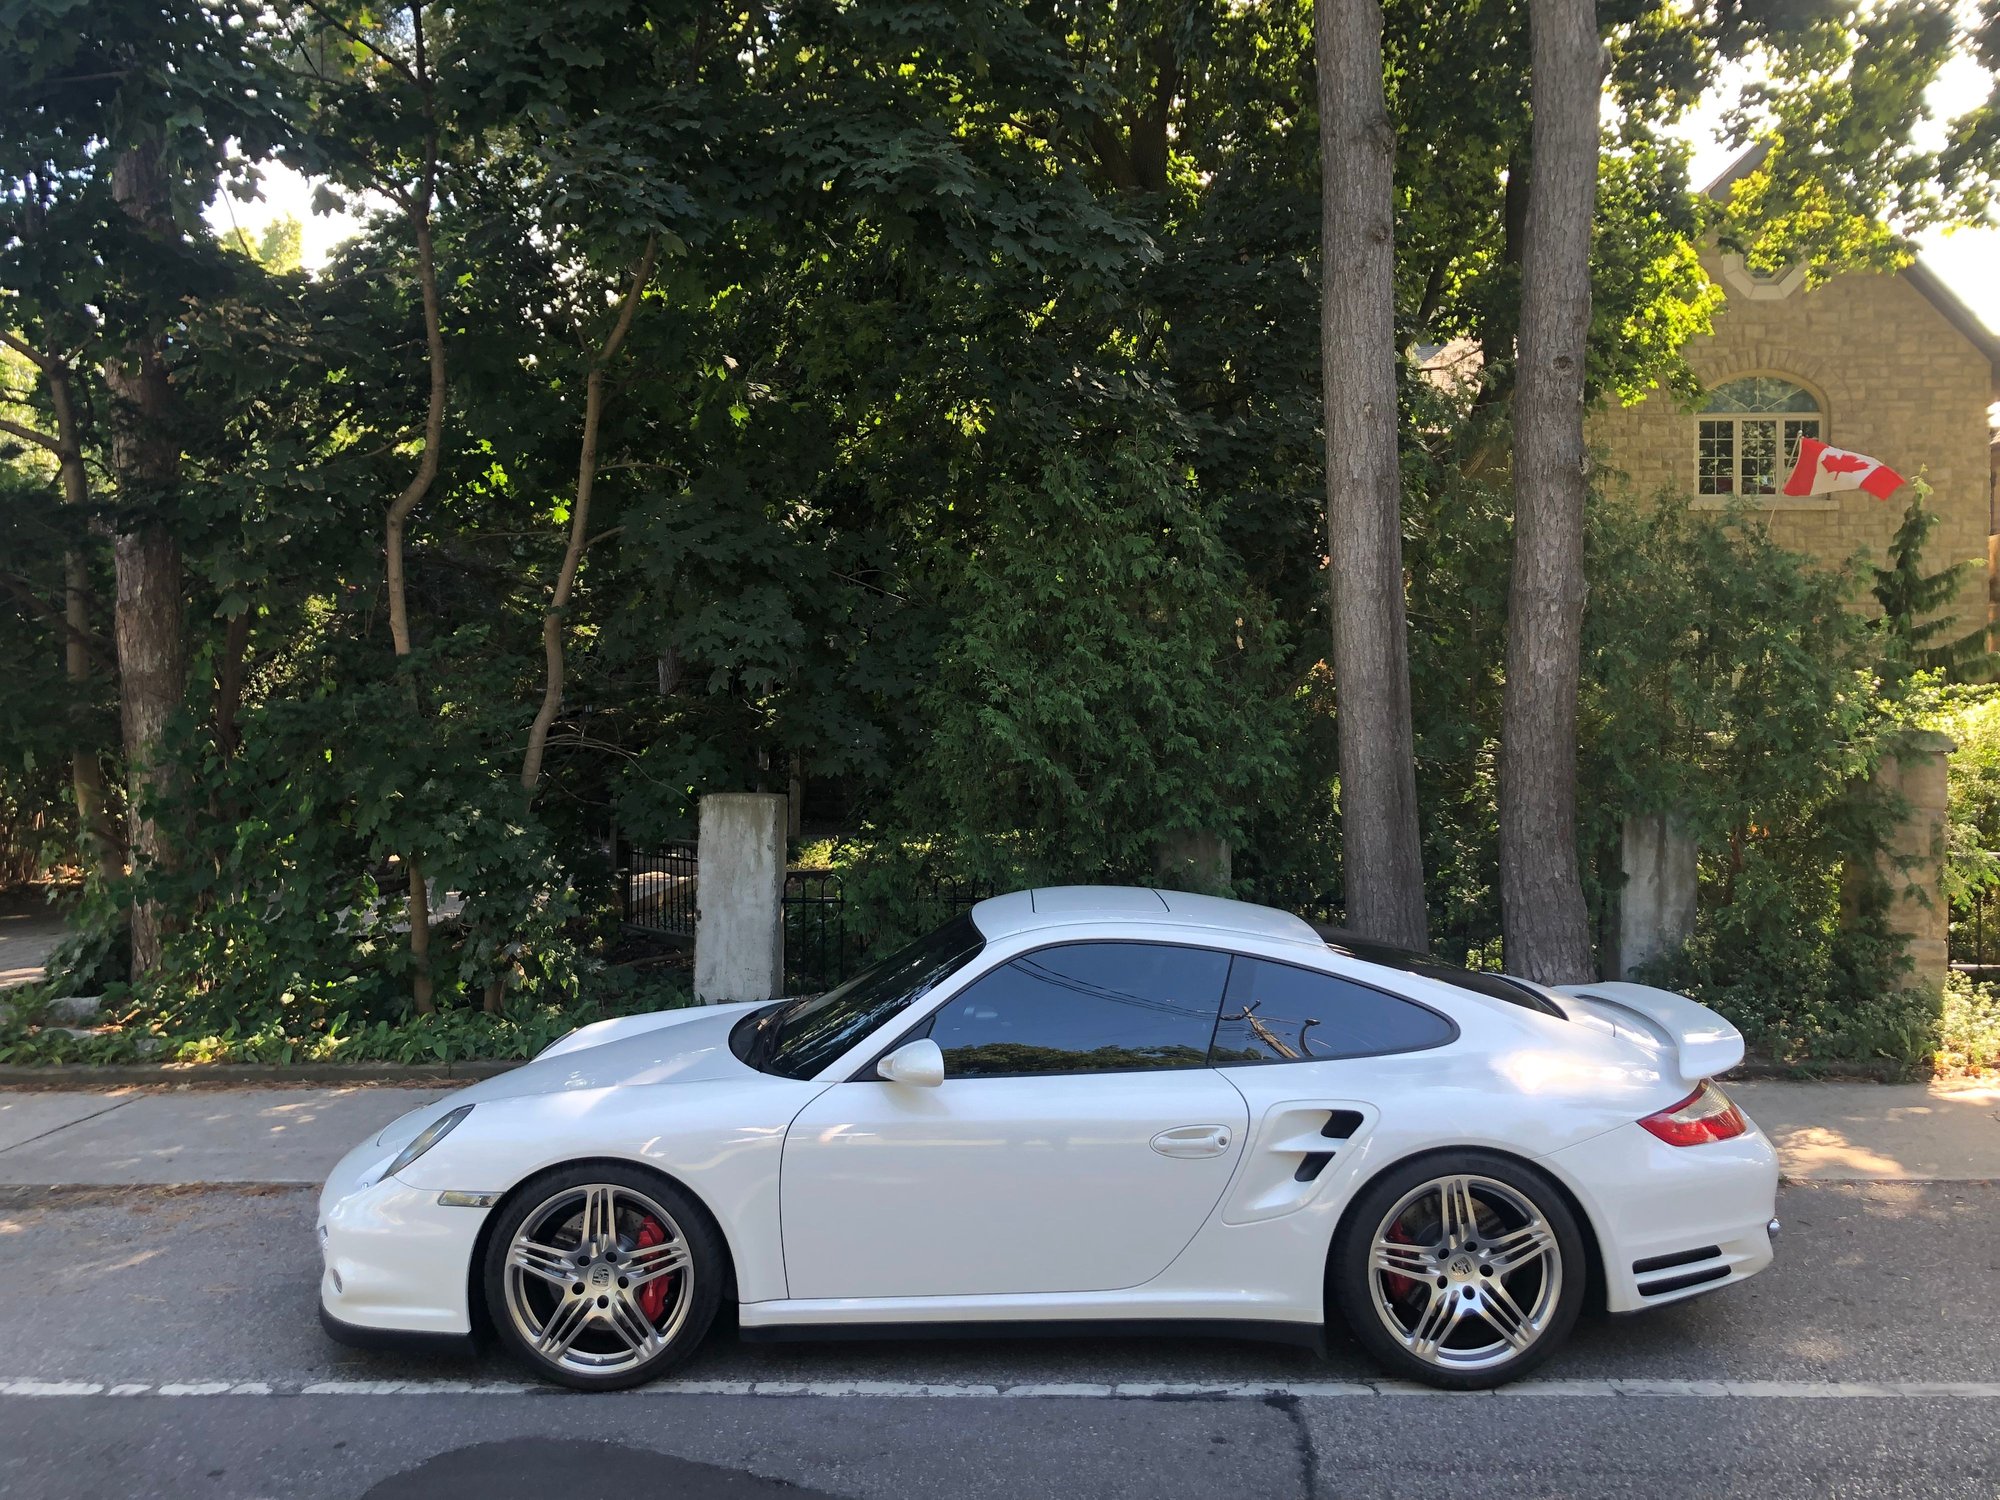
(1691, 1265)
(1340, 1124)
(1681, 1283)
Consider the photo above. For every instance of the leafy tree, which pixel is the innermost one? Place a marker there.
(1919, 632)
(1104, 647)
(120, 122)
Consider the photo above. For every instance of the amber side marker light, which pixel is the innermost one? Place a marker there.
(1705, 1115)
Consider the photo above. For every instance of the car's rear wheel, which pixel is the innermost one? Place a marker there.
(603, 1276)
(1463, 1270)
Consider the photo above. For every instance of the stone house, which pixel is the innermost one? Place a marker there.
(1891, 364)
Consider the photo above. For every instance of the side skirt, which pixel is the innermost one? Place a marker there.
(1264, 1330)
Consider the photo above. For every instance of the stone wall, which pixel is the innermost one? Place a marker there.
(1913, 777)
(1896, 381)
(739, 929)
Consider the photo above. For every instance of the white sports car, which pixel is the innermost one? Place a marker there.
(1074, 1108)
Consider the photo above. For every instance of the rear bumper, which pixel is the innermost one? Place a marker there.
(393, 1261)
(1674, 1221)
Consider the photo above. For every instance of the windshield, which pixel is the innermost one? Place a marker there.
(797, 1038)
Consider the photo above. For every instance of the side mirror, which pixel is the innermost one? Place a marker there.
(920, 1064)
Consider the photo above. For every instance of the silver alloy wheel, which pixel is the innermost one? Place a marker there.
(1465, 1272)
(580, 1272)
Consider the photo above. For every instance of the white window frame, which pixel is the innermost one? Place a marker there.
(1734, 436)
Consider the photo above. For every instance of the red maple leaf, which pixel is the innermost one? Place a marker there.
(1845, 463)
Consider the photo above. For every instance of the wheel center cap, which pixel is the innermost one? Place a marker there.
(1461, 1266)
(600, 1275)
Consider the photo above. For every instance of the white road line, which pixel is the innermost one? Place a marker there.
(1308, 1390)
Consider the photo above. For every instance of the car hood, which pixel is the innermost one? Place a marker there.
(690, 1045)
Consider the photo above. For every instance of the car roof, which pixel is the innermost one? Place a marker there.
(1054, 907)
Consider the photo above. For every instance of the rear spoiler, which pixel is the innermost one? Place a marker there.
(1704, 1043)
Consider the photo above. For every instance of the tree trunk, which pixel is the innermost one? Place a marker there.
(579, 523)
(145, 458)
(423, 989)
(95, 833)
(1543, 916)
(579, 538)
(1382, 857)
(229, 674)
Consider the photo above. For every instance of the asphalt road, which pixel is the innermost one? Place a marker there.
(1812, 1379)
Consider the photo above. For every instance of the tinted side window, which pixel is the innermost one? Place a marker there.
(1273, 1012)
(1085, 1008)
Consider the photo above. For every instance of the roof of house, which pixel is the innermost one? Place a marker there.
(1927, 282)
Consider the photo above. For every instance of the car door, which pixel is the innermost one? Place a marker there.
(1077, 1143)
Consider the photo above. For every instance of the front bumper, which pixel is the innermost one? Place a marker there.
(1674, 1221)
(393, 1261)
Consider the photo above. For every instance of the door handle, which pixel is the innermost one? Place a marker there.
(1193, 1140)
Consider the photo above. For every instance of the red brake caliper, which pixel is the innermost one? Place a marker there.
(653, 1295)
(1398, 1287)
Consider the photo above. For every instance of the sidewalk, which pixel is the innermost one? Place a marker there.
(157, 1136)
(1875, 1132)
(1825, 1132)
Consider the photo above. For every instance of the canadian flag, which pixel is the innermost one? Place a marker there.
(1821, 469)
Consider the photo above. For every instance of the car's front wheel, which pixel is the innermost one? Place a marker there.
(602, 1276)
(1463, 1270)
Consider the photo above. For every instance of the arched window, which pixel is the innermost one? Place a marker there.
(1748, 435)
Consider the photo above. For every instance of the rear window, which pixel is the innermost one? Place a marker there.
(1493, 986)
(1273, 1013)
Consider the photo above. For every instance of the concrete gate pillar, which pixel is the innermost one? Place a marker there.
(1656, 904)
(1915, 772)
(1194, 862)
(739, 927)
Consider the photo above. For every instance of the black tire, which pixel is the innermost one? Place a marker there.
(1451, 1288)
(558, 1205)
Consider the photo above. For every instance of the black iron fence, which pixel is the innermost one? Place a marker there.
(823, 944)
(1975, 932)
(658, 886)
(818, 950)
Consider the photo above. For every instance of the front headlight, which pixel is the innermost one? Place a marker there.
(428, 1137)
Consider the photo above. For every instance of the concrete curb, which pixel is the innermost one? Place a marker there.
(238, 1075)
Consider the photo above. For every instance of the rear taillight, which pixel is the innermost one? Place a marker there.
(1705, 1115)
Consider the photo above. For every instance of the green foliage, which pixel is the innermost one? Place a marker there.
(1845, 174)
(1751, 721)
(1728, 679)
(1971, 716)
(963, 464)
(1968, 1031)
(1803, 985)
(303, 1031)
(1108, 681)
(1916, 623)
